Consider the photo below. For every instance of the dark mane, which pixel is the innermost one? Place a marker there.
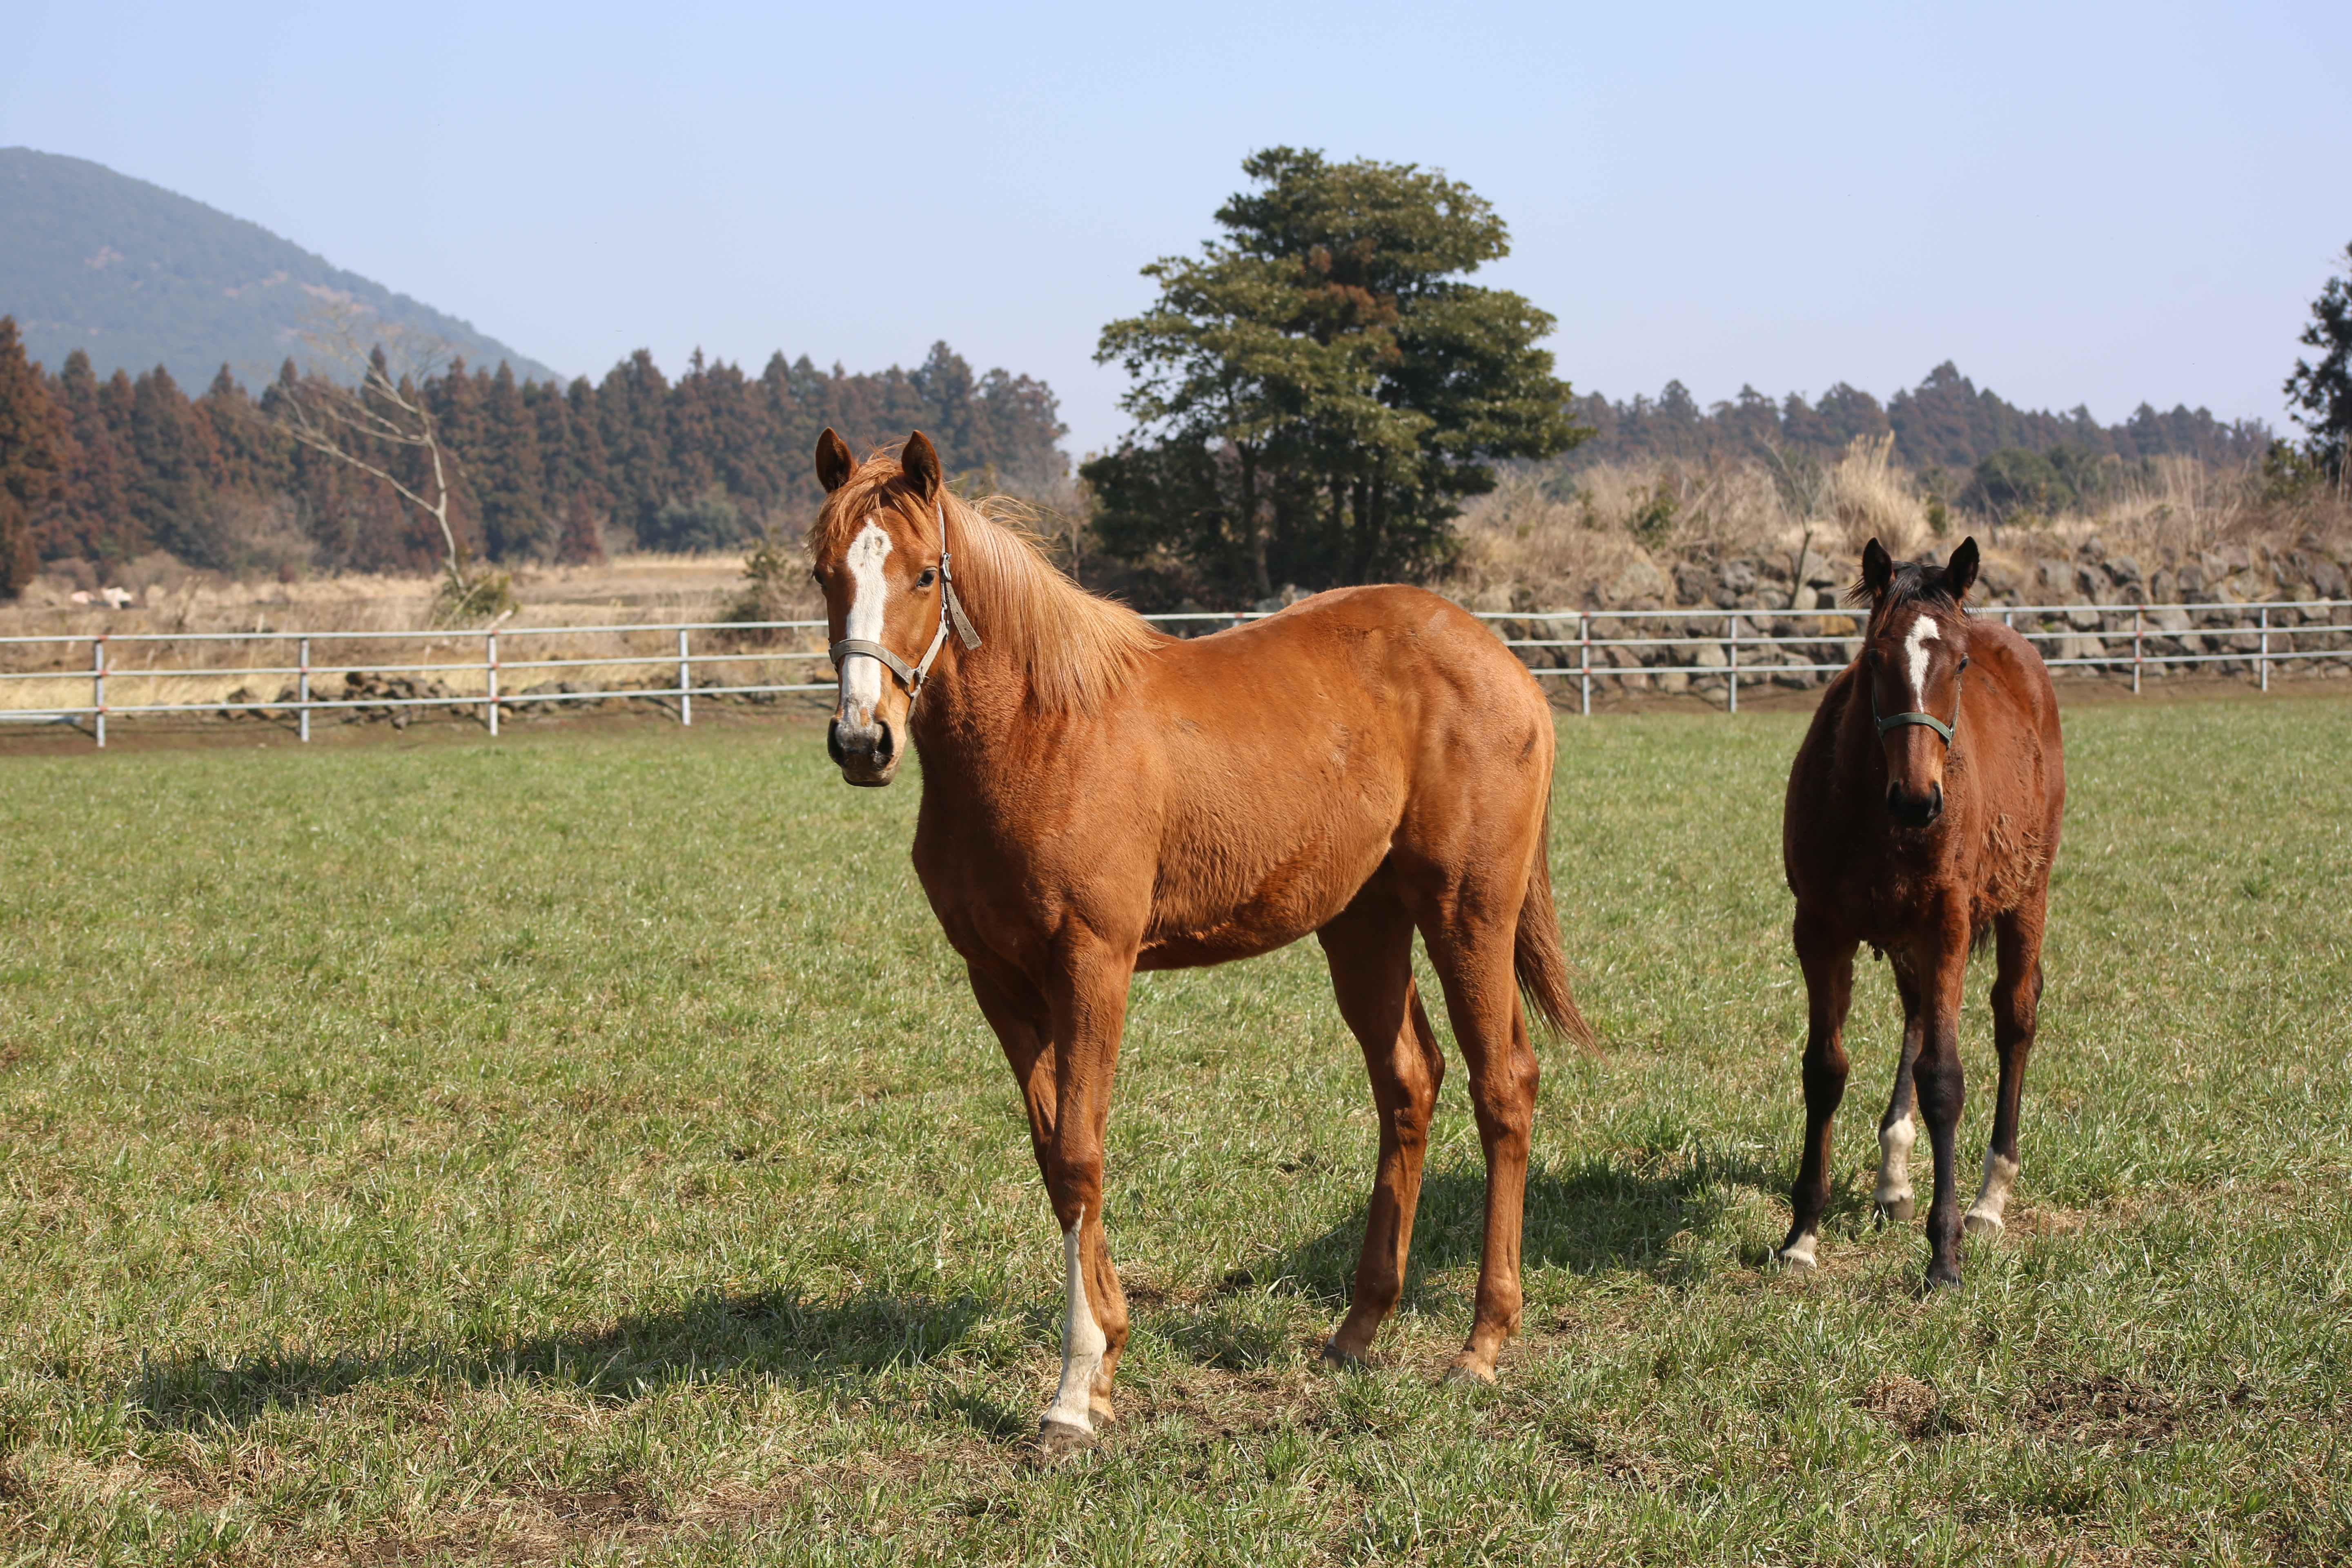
(1913, 582)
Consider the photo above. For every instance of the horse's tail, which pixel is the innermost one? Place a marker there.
(1536, 957)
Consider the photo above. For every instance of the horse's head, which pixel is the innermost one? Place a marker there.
(1914, 653)
(877, 553)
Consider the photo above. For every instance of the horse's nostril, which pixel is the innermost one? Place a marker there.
(1914, 810)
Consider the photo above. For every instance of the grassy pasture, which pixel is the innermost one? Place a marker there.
(584, 1147)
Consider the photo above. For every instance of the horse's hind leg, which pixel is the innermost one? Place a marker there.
(1369, 948)
(1473, 958)
(1828, 964)
(1894, 1199)
(2016, 1004)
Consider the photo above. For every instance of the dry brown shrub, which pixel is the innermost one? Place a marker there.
(1869, 498)
(1546, 539)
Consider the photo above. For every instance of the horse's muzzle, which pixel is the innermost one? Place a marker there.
(1915, 810)
(866, 753)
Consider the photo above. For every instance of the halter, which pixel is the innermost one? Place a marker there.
(1929, 721)
(950, 609)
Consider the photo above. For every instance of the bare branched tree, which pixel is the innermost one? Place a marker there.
(365, 394)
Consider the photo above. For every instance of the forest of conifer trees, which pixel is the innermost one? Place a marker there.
(1945, 422)
(133, 465)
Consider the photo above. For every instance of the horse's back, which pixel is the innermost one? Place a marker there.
(1403, 633)
(1388, 660)
(1294, 754)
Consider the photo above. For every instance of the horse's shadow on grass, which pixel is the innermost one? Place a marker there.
(1594, 1214)
(1598, 1213)
(770, 1333)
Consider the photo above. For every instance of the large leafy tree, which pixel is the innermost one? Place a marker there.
(1319, 389)
(2322, 394)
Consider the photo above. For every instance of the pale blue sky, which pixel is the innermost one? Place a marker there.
(2094, 205)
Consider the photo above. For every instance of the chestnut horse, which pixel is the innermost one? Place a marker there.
(1100, 798)
(1922, 819)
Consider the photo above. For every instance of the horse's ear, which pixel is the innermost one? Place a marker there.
(919, 462)
(1960, 570)
(1877, 570)
(834, 463)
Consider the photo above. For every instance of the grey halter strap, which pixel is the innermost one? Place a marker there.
(950, 612)
(1927, 720)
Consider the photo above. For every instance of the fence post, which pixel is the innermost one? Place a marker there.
(490, 669)
(2266, 660)
(1584, 661)
(303, 690)
(684, 682)
(98, 686)
(1731, 638)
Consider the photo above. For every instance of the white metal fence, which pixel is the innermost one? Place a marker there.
(1689, 650)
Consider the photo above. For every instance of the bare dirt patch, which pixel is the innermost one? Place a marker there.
(2104, 1412)
(1905, 1404)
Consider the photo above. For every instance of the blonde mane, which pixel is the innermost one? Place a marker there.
(1076, 648)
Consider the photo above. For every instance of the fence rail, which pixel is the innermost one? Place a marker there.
(1702, 651)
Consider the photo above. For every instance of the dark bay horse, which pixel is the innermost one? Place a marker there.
(1922, 819)
(1100, 798)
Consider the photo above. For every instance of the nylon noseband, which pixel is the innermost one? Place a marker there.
(1927, 720)
(950, 613)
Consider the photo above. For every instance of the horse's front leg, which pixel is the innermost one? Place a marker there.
(1087, 1000)
(1023, 1026)
(1827, 960)
(1941, 960)
(2016, 1008)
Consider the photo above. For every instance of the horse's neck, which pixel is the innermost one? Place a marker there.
(972, 721)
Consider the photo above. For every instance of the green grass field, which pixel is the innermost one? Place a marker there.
(584, 1147)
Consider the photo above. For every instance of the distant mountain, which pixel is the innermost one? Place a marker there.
(139, 276)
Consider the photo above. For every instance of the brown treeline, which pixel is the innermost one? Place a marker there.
(103, 471)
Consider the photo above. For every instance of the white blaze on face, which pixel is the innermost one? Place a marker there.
(869, 595)
(1083, 1345)
(1915, 652)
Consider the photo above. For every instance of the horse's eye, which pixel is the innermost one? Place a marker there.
(928, 577)
(817, 578)
(1964, 661)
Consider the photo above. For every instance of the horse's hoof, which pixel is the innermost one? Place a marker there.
(1895, 1208)
(1058, 1439)
(1943, 1277)
(1466, 1373)
(1982, 1222)
(1334, 1359)
(1797, 1252)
